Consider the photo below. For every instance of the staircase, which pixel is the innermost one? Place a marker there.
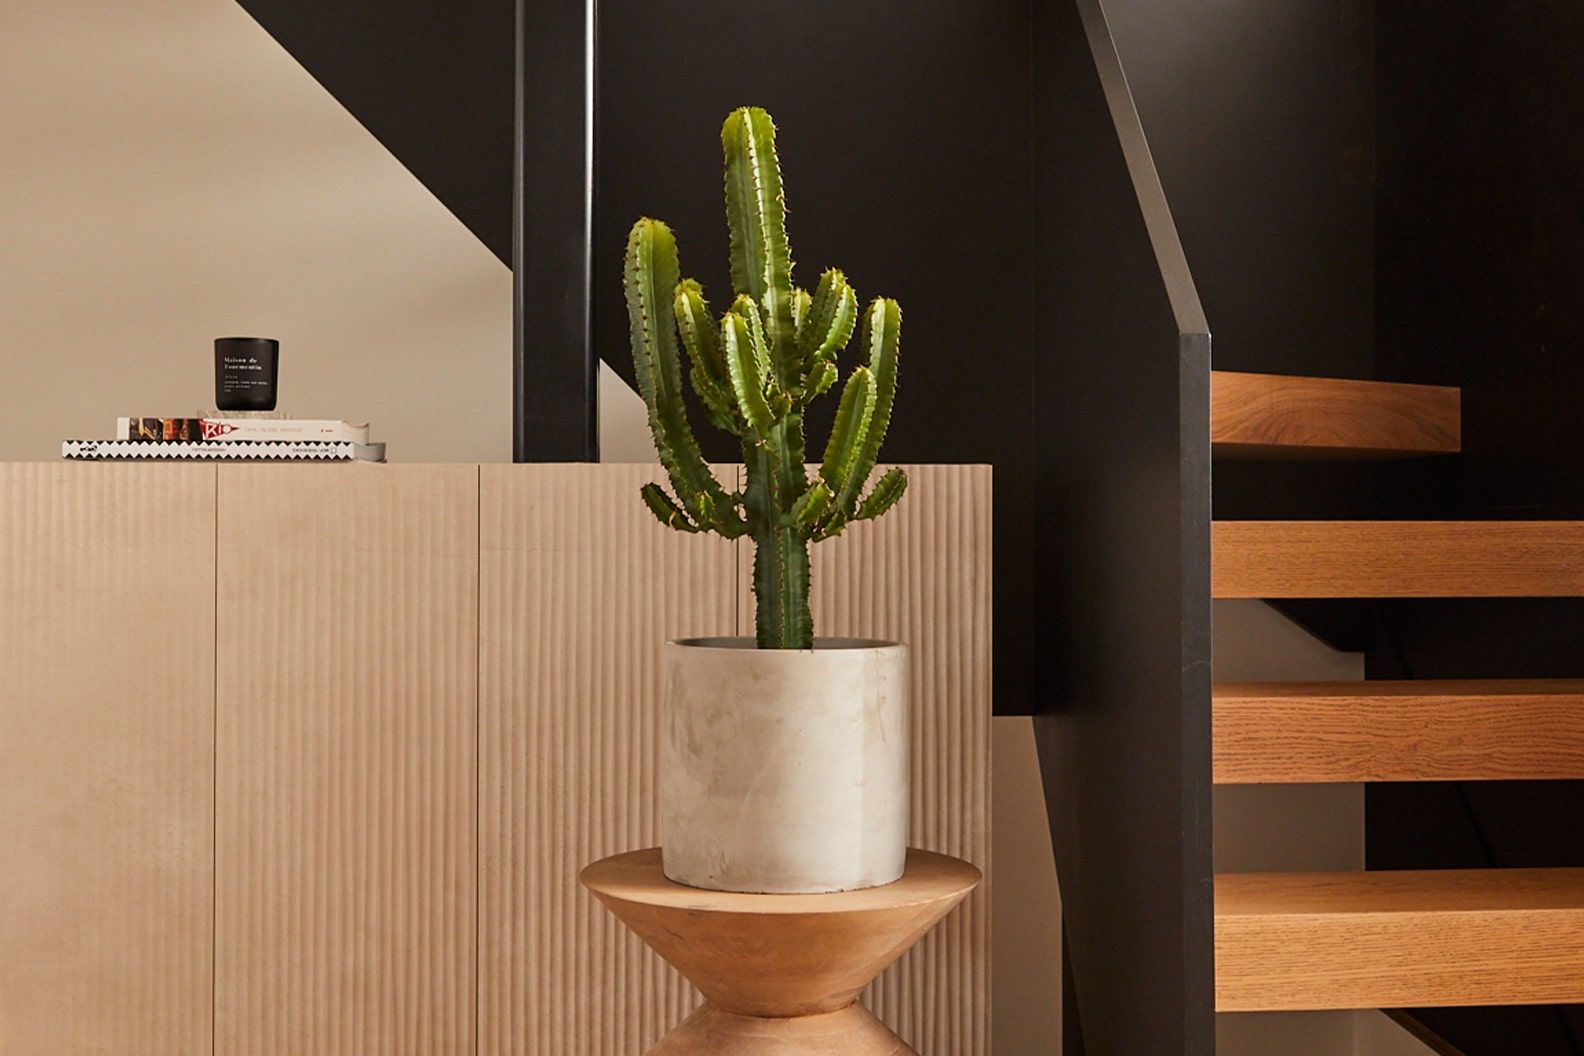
(1389, 939)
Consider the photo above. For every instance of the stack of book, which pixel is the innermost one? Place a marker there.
(230, 438)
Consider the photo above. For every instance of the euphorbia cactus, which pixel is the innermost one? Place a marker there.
(755, 371)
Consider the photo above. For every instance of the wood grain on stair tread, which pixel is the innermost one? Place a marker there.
(1289, 941)
(1408, 730)
(1401, 559)
(1276, 416)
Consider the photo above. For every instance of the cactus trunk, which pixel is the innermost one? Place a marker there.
(781, 550)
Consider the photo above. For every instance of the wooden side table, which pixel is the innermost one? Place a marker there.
(780, 974)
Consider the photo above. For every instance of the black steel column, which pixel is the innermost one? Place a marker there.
(555, 372)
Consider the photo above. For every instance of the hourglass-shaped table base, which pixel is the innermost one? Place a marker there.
(780, 974)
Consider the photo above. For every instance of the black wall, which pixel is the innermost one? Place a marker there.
(904, 142)
(1260, 118)
(1481, 284)
(1482, 236)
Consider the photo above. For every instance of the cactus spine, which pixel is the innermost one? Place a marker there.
(755, 370)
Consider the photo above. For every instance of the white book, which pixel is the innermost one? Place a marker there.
(221, 451)
(233, 429)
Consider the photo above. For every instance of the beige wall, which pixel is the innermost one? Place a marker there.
(171, 175)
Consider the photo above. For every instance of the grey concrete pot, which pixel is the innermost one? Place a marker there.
(783, 770)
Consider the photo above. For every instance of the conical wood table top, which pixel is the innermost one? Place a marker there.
(781, 973)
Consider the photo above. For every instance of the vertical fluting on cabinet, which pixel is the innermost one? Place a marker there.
(921, 575)
(107, 665)
(346, 738)
(580, 588)
(339, 738)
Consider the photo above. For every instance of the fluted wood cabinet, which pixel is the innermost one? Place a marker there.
(304, 759)
(346, 785)
(107, 666)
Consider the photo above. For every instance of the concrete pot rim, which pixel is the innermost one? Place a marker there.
(827, 646)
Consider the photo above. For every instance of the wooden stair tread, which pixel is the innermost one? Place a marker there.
(1280, 416)
(1398, 892)
(1397, 559)
(1287, 941)
(1399, 730)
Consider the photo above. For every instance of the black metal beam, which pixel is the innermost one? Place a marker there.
(555, 372)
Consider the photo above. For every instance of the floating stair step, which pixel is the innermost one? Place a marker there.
(1288, 941)
(1276, 416)
(1295, 732)
(1397, 559)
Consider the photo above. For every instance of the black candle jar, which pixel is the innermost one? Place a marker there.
(246, 370)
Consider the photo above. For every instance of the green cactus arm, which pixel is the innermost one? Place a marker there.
(761, 256)
(717, 402)
(816, 381)
(884, 495)
(853, 416)
(829, 324)
(802, 301)
(811, 506)
(665, 509)
(882, 336)
(745, 307)
(727, 520)
(697, 327)
(700, 338)
(651, 277)
(742, 363)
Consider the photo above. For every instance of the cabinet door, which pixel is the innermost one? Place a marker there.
(107, 652)
(346, 699)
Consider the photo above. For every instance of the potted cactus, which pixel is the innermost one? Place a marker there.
(783, 757)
